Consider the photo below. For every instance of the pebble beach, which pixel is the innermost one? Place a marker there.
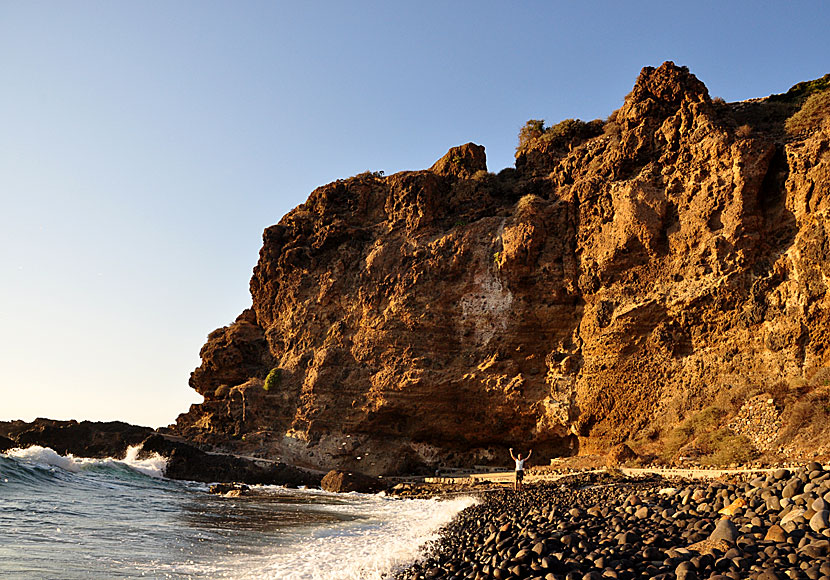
(592, 526)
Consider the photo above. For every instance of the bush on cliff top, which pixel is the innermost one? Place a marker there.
(811, 114)
(804, 89)
(559, 136)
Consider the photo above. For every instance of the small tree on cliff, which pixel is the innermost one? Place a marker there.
(532, 130)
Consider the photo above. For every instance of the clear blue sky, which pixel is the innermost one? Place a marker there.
(144, 146)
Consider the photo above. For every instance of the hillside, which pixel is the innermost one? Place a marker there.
(631, 280)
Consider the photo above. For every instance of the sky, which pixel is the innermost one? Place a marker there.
(144, 146)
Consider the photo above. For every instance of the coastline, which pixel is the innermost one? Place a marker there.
(757, 523)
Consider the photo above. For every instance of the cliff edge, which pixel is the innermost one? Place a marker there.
(625, 275)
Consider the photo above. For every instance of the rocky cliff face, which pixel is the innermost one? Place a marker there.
(612, 282)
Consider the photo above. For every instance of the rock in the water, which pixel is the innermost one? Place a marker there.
(6, 444)
(340, 481)
(189, 463)
(236, 489)
(82, 439)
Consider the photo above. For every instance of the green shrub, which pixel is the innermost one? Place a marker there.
(814, 110)
(724, 447)
(273, 380)
(677, 439)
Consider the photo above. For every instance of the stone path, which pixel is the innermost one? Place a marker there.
(506, 477)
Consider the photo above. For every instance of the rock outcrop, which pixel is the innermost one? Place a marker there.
(339, 481)
(186, 462)
(82, 439)
(612, 282)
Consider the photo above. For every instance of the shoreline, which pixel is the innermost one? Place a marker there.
(754, 523)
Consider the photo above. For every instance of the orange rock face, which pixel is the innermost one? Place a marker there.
(439, 317)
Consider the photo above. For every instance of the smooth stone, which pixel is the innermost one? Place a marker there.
(627, 538)
(791, 489)
(820, 521)
(792, 515)
(725, 530)
(776, 534)
(781, 473)
(642, 513)
(816, 549)
(819, 504)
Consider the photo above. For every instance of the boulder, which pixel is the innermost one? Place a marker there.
(724, 530)
(820, 521)
(6, 444)
(776, 534)
(462, 161)
(185, 462)
(619, 455)
(340, 481)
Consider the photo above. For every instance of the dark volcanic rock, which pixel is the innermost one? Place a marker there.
(548, 532)
(84, 439)
(343, 481)
(189, 463)
(6, 443)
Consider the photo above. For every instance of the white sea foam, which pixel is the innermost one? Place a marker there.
(390, 534)
(153, 466)
(45, 456)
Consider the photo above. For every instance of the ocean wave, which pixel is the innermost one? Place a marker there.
(390, 533)
(38, 457)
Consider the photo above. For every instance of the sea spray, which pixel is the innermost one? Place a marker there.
(390, 533)
(152, 466)
(75, 518)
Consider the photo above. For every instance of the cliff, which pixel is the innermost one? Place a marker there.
(624, 275)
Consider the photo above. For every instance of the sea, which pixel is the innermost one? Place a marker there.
(66, 518)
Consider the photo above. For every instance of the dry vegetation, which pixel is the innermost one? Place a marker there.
(814, 111)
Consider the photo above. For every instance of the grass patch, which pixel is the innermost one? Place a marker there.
(724, 448)
(811, 114)
(704, 433)
(803, 89)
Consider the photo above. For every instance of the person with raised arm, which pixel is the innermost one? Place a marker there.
(520, 468)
